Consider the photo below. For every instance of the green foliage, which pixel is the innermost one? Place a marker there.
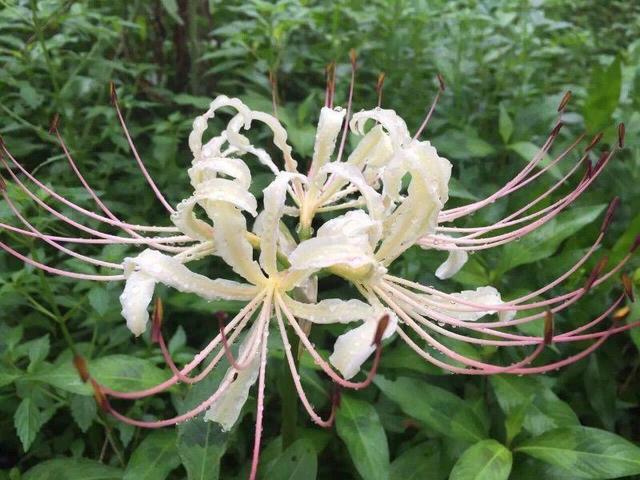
(506, 66)
(359, 427)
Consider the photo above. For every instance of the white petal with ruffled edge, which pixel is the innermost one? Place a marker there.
(483, 295)
(353, 348)
(226, 409)
(452, 265)
(151, 267)
(332, 310)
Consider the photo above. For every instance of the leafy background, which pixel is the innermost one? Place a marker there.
(506, 65)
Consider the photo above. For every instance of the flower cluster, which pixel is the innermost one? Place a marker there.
(387, 195)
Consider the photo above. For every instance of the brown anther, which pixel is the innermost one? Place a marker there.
(101, 398)
(604, 156)
(55, 121)
(379, 85)
(556, 129)
(440, 78)
(594, 141)
(588, 167)
(81, 366)
(621, 131)
(380, 329)
(627, 284)
(548, 327)
(113, 93)
(621, 313)
(565, 100)
(611, 210)
(158, 313)
(353, 57)
(3, 184)
(595, 273)
(635, 245)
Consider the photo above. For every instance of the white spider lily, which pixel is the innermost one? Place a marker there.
(381, 219)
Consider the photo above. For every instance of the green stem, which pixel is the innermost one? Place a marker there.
(289, 398)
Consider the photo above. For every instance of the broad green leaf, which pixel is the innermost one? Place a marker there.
(83, 410)
(73, 469)
(588, 452)
(359, 427)
(543, 410)
(100, 300)
(123, 372)
(545, 240)
(603, 95)
(298, 462)
(6, 378)
(418, 463)
(38, 351)
(201, 445)
(62, 375)
(505, 124)
(28, 420)
(601, 387)
(436, 407)
(463, 145)
(486, 460)
(154, 458)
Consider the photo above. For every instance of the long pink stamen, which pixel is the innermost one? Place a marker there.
(134, 150)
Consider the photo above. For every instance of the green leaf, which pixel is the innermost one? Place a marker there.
(587, 452)
(62, 375)
(38, 350)
(100, 300)
(298, 462)
(201, 446)
(28, 421)
(545, 240)
(463, 145)
(154, 458)
(171, 7)
(527, 396)
(359, 427)
(126, 373)
(505, 125)
(73, 469)
(486, 460)
(603, 94)
(436, 407)
(417, 463)
(83, 411)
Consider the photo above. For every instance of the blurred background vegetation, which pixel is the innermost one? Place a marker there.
(506, 65)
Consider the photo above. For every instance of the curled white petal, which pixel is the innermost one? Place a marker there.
(231, 241)
(185, 219)
(220, 190)
(275, 196)
(226, 409)
(389, 119)
(151, 267)
(354, 176)
(452, 265)
(353, 348)
(483, 295)
(329, 126)
(135, 298)
(210, 168)
(332, 310)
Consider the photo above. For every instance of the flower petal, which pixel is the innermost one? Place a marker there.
(452, 265)
(151, 267)
(329, 126)
(226, 409)
(332, 310)
(483, 295)
(231, 241)
(353, 348)
(275, 196)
